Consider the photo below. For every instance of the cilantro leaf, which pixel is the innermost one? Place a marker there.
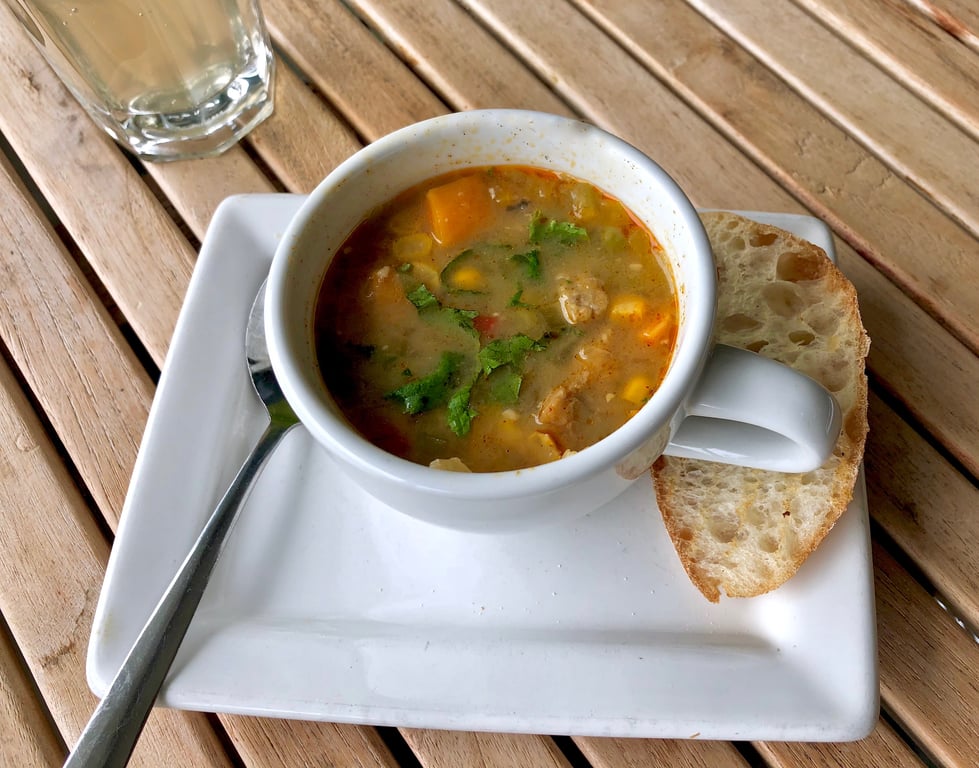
(516, 300)
(423, 298)
(563, 231)
(462, 317)
(511, 351)
(505, 386)
(430, 391)
(530, 260)
(460, 411)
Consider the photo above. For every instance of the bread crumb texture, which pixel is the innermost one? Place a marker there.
(743, 531)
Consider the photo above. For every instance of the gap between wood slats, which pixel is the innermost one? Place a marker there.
(913, 139)
(955, 17)
(333, 47)
(72, 248)
(694, 80)
(44, 743)
(293, 67)
(939, 69)
(883, 538)
(490, 74)
(907, 739)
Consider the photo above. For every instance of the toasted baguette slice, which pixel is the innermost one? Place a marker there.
(747, 531)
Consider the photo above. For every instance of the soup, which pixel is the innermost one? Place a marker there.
(495, 318)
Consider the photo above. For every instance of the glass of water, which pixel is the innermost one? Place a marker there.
(168, 79)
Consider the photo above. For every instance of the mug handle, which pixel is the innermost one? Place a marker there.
(755, 412)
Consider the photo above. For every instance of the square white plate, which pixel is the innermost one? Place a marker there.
(328, 605)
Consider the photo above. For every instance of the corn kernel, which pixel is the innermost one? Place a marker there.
(629, 308)
(468, 279)
(638, 389)
(414, 247)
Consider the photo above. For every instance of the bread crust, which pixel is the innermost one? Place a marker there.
(743, 531)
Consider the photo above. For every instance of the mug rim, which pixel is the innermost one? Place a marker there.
(335, 433)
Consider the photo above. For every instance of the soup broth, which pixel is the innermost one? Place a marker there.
(495, 318)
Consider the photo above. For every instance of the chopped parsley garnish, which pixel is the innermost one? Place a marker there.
(517, 301)
(463, 318)
(563, 231)
(530, 261)
(423, 298)
(430, 391)
(511, 351)
(460, 411)
(505, 386)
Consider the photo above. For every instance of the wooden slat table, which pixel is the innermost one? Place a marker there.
(864, 113)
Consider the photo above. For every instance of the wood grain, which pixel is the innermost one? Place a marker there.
(927, 667)
(449, 749)
(882, 748)
(27, 739)
(288, 743)
(358, 75)
(958, 18)
(810, 156)
(459, 59)
(935, 66)
(97, 397)
(196, 187)
(145, 265)
(304, 139)
(926, 506)
(914, 140)
(912, 357)
(51, 568)
(639, 753)
(595, 79)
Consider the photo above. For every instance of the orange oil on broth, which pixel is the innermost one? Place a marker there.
(501, 316)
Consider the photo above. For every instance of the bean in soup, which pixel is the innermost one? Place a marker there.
(495, 318)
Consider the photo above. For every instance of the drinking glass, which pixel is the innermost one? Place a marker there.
(168, 79)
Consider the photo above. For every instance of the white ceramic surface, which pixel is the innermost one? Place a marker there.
(328, 605)
(763, 414)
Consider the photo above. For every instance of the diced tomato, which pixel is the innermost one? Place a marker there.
(485, 324)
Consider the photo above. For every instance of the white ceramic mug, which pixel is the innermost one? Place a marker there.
(714, 403)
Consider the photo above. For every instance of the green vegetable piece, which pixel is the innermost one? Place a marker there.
(447, 271)
(423, 298)
(430, 391)
(511, 351)
(563, 231)
(463, 318)
(516, 300)
(460, 411)
(531, 261)
(405, 268)
(505, 386)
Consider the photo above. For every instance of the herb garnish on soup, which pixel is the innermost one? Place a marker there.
(495, 318)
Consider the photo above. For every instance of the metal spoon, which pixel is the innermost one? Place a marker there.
(110, 736)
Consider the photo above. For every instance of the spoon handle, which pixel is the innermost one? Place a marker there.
(110, 736)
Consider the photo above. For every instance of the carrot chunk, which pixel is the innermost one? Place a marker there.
(458, 209)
